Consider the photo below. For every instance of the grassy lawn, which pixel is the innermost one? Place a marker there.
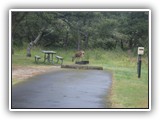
(127, 90)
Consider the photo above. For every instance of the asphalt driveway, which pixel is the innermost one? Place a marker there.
(65, 88)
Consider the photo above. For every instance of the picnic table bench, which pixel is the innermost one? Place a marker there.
(59, 58)
(48, 55)
(37, 58)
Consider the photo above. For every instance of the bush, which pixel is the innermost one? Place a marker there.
(107, 44)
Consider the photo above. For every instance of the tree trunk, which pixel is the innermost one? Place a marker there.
(29, 49)
(130, 43)
(12, 50)
(79, 41)
(122, 45)
(86, 40)
(32, 43)
(66, 40)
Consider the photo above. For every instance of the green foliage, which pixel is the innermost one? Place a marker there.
(107, 44)
(82, 30)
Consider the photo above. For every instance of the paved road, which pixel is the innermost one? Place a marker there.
(63, 89)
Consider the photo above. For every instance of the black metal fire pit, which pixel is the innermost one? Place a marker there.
(82, 62)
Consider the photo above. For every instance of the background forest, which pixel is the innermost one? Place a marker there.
(81, 30)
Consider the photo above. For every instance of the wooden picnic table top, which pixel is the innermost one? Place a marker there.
(48, 52)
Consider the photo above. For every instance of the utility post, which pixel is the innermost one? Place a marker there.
(139, 61)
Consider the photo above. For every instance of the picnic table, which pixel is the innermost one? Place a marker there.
(48, 55)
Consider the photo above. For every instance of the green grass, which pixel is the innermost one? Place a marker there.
(127, 90)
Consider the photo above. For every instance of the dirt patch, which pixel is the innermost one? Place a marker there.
(25, 72)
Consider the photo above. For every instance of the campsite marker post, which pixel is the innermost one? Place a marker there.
(140, 53)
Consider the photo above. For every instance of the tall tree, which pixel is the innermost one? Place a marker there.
(80, 30)
(17, 17)
(32, 43)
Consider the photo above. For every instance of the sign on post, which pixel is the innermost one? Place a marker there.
(140, 52)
